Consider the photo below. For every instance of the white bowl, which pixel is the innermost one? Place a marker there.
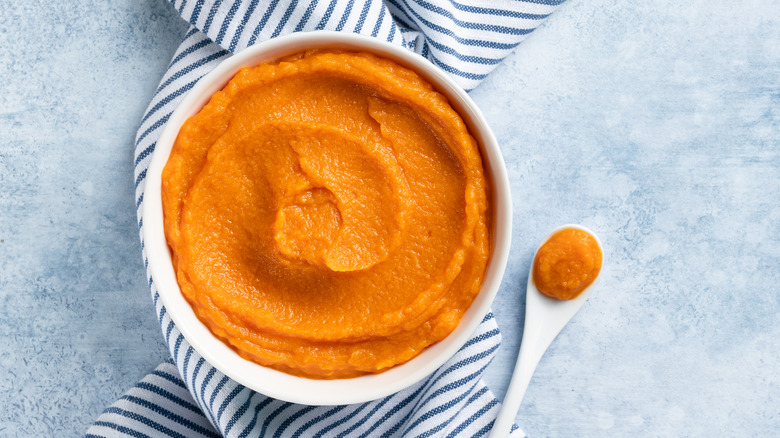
(274, 383)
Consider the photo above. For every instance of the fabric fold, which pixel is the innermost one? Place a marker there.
(467, 39)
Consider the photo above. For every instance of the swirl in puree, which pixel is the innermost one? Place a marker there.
(327, 214)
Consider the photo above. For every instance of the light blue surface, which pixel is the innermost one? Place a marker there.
(655, 124)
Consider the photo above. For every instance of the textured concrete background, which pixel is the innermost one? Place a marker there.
(657, 124)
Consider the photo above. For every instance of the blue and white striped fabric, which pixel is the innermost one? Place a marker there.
(186, 396)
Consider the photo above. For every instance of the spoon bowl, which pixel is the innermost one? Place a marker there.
(544, 318)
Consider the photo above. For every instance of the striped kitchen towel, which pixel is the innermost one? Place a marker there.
(186, 396)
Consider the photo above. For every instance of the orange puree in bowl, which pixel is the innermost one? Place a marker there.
(566, 264)
(326, 214)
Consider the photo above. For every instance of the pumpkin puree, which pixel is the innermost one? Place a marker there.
(326, 214)
(567, 263)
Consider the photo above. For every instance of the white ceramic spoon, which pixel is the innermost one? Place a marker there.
(544, 319)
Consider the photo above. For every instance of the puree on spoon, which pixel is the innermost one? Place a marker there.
(567, 263)
(327, 214)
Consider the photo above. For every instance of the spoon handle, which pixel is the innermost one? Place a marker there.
(544, 319)
(527, 360)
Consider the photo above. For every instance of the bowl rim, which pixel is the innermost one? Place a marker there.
(275, 383)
